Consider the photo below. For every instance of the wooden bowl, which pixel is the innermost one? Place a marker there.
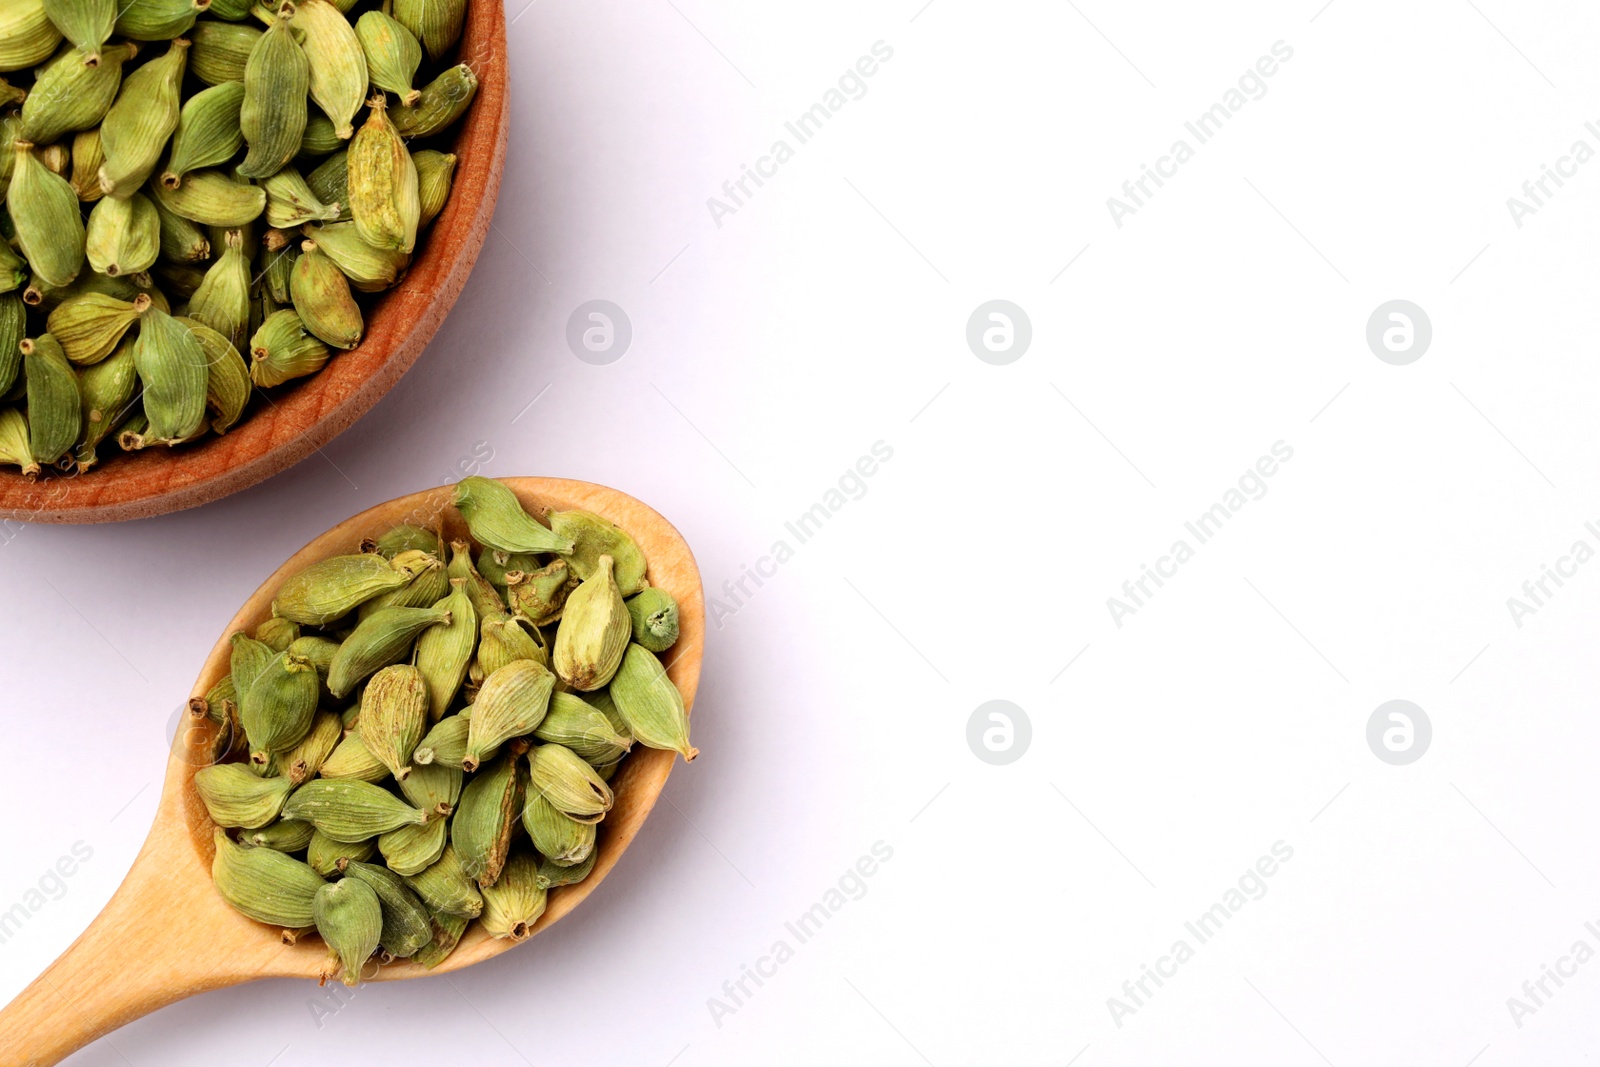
(128, 964)
(294, 420)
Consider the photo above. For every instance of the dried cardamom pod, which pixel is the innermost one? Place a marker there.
(423, 591)
(13, 270)
(350, 920)
(553, 875)
(655, 619)
(276, 81)
(650, 704)
(44, 211)
(406, 922)
(264, 884)
(123, 236)
(208, 132)
(496, 518)
(87, 156)
(413, 849)
(91, 326)
(560, 839)
(583, 728)
(348, 809)
(443, 101)
(444, 651)
(352, 759)
(283, 349)
(27, 36)
(337, 65)
(593, 537)
(511, 703)
(369, 269)
(86, 23)
(13, 328)
(445, 743)
(322, 298)
(227, 378)
(280, 836)
(291, 203)
(330, 181)
(433, 787)
(249, 660)
(157, 20)
(435, 172)
(303, 762)
(393, 54)
(447, 931)
(107, 392)
(539, 595)
(220, 50)
(594, 632)
(136, 129)
(234, 796)
(560, 776)
(445, 887)
(436, 23)
(480, 829)
(223, 300)
(55, 412)
(14, 447)
(494, 565)
(384, 198)
(172, 366)
(211, 198)
(278, 706)
(70, 94)
(320, 138)
(514, 903)
(327, 591)
(325, 855)
(394, 710)
(486, 600)
(503, 640)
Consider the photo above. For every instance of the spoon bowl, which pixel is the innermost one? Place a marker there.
(129, 962)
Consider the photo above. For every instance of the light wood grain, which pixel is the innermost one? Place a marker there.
(295, 420)
(166, 934)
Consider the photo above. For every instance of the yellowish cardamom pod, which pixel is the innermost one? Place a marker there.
(650, 704)
(322, 298)
(413, 849)
(480, 829)
(337, 65)
(211, 198)
(86, 23)
(208, 131)
(136, 129)
(282, 348)
(91, 326)
(87, 156)
(220, 51)
(123, 236)
(27, 36)
(157, 20)
(223, 300)
(435, 172)
(540, 595)
(227, 378)
(353, 759)
(515, 901)
(370, 269)
(14, 447)
(69, 94)
(108, 392)
(570, 785)
(385, 200)
(291, 203)
(593, 537)
(393, 54)
(511, 703)
(436, 23)
(234, 796)
(594, 632)
(572, 723)
(44, 212)
(394, 710)
(562, 840)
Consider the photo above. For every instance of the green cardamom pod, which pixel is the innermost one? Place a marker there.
(70, 94)
(385, 201)
(86, 23)
(211, 198)
(136, 129)
(594, 632)
(433, 787)
(494, 565)
(249, 660)
(393, 54)
(330, 181)
(435, 172)
(539, 595)
(337, 65)
(107, 391)
(444, 650)
(445, 887)
(208, 131)
(91, 326)
(278, 707)
(283, 349)
(480, 829)
(322, 298)
(445, 744)
(413, 849)
(354, 760)
(219, 696)
(560, 839)
(327, 591)
(553, 875)
(291, 203)
(513, 904)
(593, 537)
(559, 775)
(369, 269)
(44, 211)
(577, 725)
(303, 762)
(228, 382)
(13, 328)
(234, 796)
(447, 931)
(172, 366)
(511, 703)
(350, 920)
(486, 600)
(157, 20)
(650, 704)
(425, 590)
(436, 23)
(394, 708)
(233, 10)
(182, 241)
(350, 810)
(55, 412)
(655, 619)
(280, 836)
(223, 300)
(320, 138)
(325, 855)
(15, 448)
(13, 270)
(443, 101)
(503, 640)
(219, 51)
(27, 36)
(87, 156)
(264, 884)
(276, 81)
(496, 518)
(123, 236)
(407, 925)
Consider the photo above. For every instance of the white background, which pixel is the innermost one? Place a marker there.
(828, 314)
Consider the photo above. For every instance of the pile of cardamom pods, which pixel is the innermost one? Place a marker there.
(411, 743)
(189, 203)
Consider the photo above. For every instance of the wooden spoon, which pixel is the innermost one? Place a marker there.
(166, 933)
(288, 425)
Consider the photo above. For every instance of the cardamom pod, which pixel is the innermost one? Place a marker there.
(350, 920)
(182, 241)
(322, 298)
(328, 590)
(594, 632)
(351, 758)
(445, 887)
(249, 660)
(444, 651)
(655, 618)
(486, 600)
(350, 810)
(433, 787)
(406, 923)
(172, 366)
(44, 212)
(14, 447)
(480, 829)
(436, 23)
(86, 23)
(208, 132)
(445, 744)
(211, 198)
(494, 565)
(559, 775)
(511, 703)
(70, 94)
(157, 20)
(13, 328)
(219, 51)
(123, 236)
(325, 855)
(330, 181)
(393, 54)
(291, 203)
(384, 198)
(227, 378)
(223, 300)
(650, 704)
(278, 706)
(283, 349)
(435, 172)
(514, 903)
(503, 640)
(394, 709)
(337, 65)
(280, 836)
(303, 762)
(263, 884)
(496, 518)
(320, 138)
(425, 590)
(447, 931)
(107, 391)
(593, 537)
(13, 270)
(276, 81)
(552, 875)
(413, 849)
(443, 101)
(539, 595)
(369, 269)
(91, 326)
(136, 129)
(234, 796)
(55, 412)
(560, 839)
(27, 36)
(87, 156)
(577, 725)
